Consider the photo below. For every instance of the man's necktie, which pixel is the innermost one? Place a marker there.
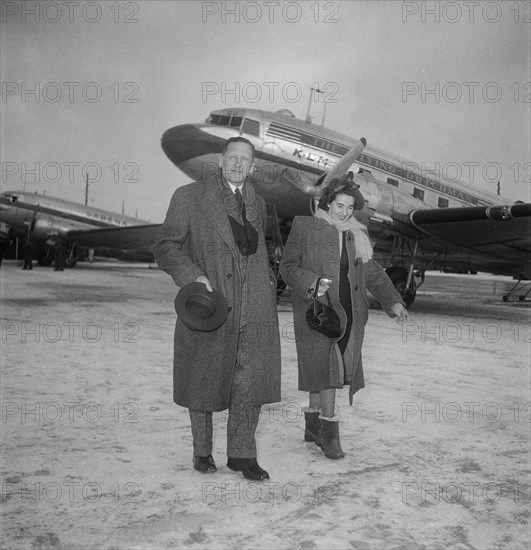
(241, 205)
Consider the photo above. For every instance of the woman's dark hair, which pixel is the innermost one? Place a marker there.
(341, 187)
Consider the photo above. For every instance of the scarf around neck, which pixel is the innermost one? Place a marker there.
(245, 234)
(361, 240)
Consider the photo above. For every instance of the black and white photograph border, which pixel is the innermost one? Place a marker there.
(95, 454)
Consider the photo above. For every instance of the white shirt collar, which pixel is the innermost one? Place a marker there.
(234, 187)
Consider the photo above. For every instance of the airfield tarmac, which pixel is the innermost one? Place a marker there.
(96, 455)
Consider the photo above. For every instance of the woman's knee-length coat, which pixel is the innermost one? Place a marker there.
(196, 239)
(312, 251)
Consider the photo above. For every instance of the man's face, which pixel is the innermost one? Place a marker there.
(237, 162)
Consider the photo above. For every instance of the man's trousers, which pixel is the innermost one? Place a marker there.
(243, 413)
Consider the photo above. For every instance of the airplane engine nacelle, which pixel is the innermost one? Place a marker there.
(390, 208)
(42, 228)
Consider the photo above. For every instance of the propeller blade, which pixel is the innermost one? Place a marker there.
(342, 166)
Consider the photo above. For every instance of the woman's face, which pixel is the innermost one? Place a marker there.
(341, 208)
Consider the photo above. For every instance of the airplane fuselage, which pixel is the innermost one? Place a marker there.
(289, 150)
(292, 158)
(51, 217)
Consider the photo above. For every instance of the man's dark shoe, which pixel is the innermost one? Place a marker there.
(205, 464)
(249, 467)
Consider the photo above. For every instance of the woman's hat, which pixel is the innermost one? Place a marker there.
(340, 185)
(359, 200)
(200, 309)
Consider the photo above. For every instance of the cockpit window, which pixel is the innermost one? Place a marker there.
(251, 127)
(225, 120)
(10, 198)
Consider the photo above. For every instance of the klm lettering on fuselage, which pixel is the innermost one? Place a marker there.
(310, 157)
(413, 177)
(105, 218)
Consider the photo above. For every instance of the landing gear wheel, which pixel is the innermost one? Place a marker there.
(398, 276)
(71, 258)
(46, 258)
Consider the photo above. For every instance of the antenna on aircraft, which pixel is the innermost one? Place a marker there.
(86, 188)
(312, 90)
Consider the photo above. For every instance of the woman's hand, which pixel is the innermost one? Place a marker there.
(324, 285)
(399, 311)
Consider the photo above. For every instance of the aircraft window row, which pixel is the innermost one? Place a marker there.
(392, 182)
(442, 202)
(418, 193)
(225, 120)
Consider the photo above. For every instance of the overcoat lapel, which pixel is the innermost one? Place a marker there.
(214, 209)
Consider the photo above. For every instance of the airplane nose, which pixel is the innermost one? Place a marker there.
(187, 141)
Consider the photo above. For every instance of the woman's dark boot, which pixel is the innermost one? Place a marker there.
(313, 425)
(330, 438)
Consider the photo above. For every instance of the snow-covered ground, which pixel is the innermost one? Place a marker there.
(96, 455)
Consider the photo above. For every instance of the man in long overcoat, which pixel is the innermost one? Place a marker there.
(214, 234)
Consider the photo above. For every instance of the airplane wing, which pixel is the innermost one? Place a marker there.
(132, 237)
(499, 230)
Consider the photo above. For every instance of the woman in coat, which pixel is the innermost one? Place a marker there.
(332, 250)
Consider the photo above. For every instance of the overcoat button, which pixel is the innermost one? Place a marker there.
(356, 287)
(230, 309)
(229, 275)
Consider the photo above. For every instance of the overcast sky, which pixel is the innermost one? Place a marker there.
(446, 84)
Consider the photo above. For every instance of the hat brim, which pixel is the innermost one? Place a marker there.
(199, 309)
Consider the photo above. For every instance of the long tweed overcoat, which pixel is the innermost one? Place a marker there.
(312, 251)
(196, 239)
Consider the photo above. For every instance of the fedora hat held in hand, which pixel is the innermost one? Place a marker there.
(200, 309)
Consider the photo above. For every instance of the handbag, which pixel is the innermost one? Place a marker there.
(321, 317)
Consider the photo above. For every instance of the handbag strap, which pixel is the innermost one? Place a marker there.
(316, 288)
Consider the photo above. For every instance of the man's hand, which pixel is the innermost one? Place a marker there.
(203, 279)
(399, 311)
